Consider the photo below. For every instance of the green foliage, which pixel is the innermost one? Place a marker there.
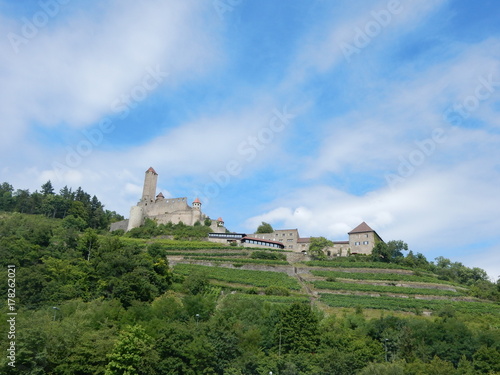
(238, 260)
(276, 291)
(255, 278)
(383, 369)
(380, 276)
(391, 251)
(405, 304)
(78, 204)
(117, 311)
(348, 263)
(196, 283)
(297, 329)
(264, 228)
(318, 246)
(382, 289)
(267, 255)
(132, 353)
(179, 231)
(172, 244)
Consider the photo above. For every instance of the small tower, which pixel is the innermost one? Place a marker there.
(220, 222)
(149, 190)
(197, 204)
(160, 197)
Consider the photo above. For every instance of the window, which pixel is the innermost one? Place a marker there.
(356, 243)
(366, 242)
(289, 240)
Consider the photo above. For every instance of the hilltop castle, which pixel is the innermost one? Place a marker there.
(362, 239)
(164, 210)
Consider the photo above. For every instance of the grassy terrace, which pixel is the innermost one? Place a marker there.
(390, 277)
(173, 244)
(347, 264)
(266, 298)
(205, 254)
(248, 277)
(406, 304)
(239, 260)
(383, 289)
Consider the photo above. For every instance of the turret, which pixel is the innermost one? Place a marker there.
(197, 204)
(220, 222)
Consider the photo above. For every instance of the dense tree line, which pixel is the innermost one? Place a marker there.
(78, 204)
(97, 304)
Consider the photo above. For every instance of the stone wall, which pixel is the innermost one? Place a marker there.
(119, 225)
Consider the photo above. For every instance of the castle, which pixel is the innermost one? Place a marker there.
(164, 210)
(362, 239)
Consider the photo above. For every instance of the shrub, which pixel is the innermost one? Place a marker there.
(276, 291)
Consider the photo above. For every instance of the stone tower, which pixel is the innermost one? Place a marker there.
(149, 190)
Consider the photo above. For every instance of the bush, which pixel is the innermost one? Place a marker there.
(267, 255)
(276, 291)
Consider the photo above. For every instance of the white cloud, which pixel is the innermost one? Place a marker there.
(72, 72)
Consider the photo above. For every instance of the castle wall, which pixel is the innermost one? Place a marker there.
(188, 217)
(167, 206)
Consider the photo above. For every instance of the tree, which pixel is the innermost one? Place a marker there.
(265, 228)
(6, 200)
(47, 188)
(297, 330)
(391, 251)
(22, 199)
(132, 354)
(318, 246)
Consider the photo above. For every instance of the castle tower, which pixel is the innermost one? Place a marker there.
(197, 204)
(149, 190)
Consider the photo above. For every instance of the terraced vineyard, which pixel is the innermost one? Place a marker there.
(249, 277)
(380, 276)
(339, 283)
(406, 304)
(273, 299)
(346, 264)
(355, 287)
(239, 260)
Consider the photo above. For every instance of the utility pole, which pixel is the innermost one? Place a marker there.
(55, 312)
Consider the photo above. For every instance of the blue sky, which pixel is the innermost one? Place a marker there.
(314, 115)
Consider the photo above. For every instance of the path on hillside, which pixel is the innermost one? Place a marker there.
(313, 296)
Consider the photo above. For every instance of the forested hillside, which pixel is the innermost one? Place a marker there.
(93, 302)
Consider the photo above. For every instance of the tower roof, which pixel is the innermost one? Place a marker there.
(197, 200)
(160, 195)
(361, 228)
(220, 219)
(151, 170)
